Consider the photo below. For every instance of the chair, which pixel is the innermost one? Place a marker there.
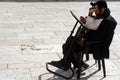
(103, 44)
(101, 60)
(86, 53)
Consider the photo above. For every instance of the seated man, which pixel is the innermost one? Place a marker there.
(96, 31)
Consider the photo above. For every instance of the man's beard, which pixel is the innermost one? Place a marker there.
(98, 16)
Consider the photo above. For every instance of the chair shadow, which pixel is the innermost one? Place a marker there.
(87, 77)
(59, 78)
(54, 77)
(50, 78)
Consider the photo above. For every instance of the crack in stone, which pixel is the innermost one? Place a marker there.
(33, 47)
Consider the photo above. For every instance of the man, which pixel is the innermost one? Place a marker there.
(97, 26)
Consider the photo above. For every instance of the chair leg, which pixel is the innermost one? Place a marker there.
(87, 57)
(99, 65)
(103, 65)
(79, 59)
(95, 61)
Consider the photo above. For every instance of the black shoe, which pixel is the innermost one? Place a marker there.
(61, 64)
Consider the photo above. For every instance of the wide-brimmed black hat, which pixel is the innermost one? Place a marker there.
(100, 3)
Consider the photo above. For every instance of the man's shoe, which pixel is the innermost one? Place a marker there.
(61, 64)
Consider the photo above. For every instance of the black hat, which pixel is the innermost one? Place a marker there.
(100, 3)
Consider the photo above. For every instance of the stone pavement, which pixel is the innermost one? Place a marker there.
(32, 33)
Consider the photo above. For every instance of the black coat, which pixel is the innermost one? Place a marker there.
(104, 33)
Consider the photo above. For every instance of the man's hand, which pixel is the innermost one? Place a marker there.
(83, 19)
(91, 11)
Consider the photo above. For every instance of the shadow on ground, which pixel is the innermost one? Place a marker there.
(59, 78)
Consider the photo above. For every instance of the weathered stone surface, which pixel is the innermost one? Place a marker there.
(32, 33)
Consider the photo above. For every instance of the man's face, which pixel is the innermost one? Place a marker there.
(97, 10)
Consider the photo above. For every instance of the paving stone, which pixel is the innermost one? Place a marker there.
(32, 34)
(8, 35)
(2, 19)
(15, 74)
(113, 55)
(11, 30)
(14, 18)
(116, 38)
(47, 29)
(44, 25)
(10, 50)
(111, 68)
(99, 78)
(24, 65)
(116, 62)
(10, 59)
(19, 41)
(40, 74)
(53, 41)
(115, 44)
(112, 77)
(19, 25)
(116, 50)
(15, 41)
(3, 66)
(28, 59)
(38, 33)
(25, 35)
(40, 49)
(4, 78)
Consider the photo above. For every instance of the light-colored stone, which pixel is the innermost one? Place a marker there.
(117, 63)
(46, 26)
(3, 66)
(19, 25)
(40, 74)
(20, 41)
(24, 65)
(10, 50)
(11, 30)
(53, 41)
(31, 58)
(8, 35)
(40, 49)
(15, 74)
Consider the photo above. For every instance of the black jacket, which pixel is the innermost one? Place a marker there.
(104, 33)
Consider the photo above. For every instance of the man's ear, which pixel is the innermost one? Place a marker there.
(106, 13)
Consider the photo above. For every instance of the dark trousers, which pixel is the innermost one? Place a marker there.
(70, 55)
